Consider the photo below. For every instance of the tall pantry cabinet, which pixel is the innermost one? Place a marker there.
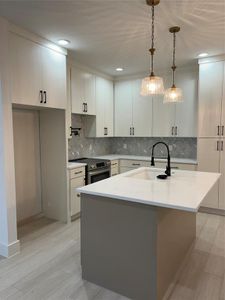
(211, 135)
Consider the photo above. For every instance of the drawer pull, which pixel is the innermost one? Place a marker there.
(114, 164)
(76, 173)
(78, 195)
(175, 168)
(136, 164)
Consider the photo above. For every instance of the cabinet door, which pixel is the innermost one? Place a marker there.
(89, 93)
(109, 110)
(186, 111)
(123, 108)
(54, 78)
(163, 117)
(142, 112)
(104, 107)
(209, 161)
(100, 106)
(74, 195)
(77, 90)
(223, 107)
(25, 70)
(210, 97)
(222, 178)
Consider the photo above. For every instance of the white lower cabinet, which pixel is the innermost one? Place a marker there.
(128, 165)
(211, 158)
(114, 167)
(176, 166)
(77, 179)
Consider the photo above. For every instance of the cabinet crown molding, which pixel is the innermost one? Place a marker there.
(36, 38)
(211, 59)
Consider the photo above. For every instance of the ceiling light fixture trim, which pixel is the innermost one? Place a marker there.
(63, 42)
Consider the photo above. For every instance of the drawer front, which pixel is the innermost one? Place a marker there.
(78, 172)
(114, 163)
(114, 167)
(134, 163)
(114, 171)
(176, 166)
(74, 195)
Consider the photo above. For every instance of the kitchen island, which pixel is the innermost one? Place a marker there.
(136, 230)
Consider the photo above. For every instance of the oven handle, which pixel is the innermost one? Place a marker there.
(91, 173)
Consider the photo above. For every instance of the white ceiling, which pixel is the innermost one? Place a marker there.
(105, 34)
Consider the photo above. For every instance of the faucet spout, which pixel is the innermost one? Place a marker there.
(168, 167)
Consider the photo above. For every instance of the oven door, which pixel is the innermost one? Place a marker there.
(94, 176)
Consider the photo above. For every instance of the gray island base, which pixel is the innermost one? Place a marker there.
(131, 248)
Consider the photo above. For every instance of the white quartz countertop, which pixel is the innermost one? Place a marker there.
(74, 165)
(147, 158)
(184, 190)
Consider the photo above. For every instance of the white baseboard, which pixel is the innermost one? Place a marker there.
(10, 250)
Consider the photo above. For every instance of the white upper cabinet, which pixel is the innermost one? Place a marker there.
(104, 96)
(38, 74)
(187, 111)
(222, 178)
(54, 77)
(123, 108)
(163, 118)
(82, 92)
(149, 116)
(26, 70)
(101, 125)
(210, 98)
(142, 112)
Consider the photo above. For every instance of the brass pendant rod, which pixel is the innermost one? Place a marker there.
(152, 49)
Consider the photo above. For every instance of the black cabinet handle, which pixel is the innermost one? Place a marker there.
(86, 107)
(222, 130)
(172, 131)
(76, 173)
(176, 130)
(217, 145)
(41, 96)
(221, 145)
(105, 131)
(133, 130)
(45, 97)
(83, 106)
(218, 130)
(130, 131)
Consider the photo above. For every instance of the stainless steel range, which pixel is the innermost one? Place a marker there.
(96, 169)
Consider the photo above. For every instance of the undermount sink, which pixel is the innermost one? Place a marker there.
(147, 174)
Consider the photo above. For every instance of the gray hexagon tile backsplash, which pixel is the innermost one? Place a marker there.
(80, 146)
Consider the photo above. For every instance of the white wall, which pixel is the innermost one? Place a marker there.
(27, 163)
(9, 245)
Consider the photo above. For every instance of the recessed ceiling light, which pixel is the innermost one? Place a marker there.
(63, 42)
(119, 69)
(204, 54)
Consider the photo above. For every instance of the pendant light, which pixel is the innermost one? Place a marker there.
(173, 94)
(152, 85)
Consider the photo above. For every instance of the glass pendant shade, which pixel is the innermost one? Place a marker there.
(152, 85)
(172, 95)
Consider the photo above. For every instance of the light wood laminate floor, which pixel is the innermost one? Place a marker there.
(48, 266)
